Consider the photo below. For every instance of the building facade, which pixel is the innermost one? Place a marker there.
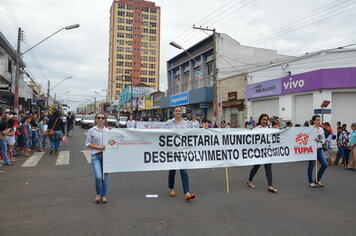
(134, 48)
(295, 90)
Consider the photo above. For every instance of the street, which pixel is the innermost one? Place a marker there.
(54, 197)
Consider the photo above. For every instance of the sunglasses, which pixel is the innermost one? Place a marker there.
(100, 117)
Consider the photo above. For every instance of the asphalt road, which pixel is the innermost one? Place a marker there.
(49, 199)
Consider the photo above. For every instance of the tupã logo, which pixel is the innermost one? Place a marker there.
(302, 141)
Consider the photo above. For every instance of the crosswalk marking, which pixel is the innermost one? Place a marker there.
(33, 160)
(63, 158)
(87, 154)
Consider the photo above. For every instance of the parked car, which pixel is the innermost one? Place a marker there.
(87, 121)
(121, 122)
(78, 119)
(112, 120)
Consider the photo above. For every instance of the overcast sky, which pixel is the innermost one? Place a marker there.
(292, 27)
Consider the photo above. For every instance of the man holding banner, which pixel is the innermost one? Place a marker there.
(178, 123)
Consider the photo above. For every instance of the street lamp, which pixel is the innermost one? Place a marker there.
(19, 56)
(176, 45)
(49, 89)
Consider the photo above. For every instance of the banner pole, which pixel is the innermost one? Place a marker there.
(227, 180)
(316, 170)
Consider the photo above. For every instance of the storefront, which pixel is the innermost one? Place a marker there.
(299, 97)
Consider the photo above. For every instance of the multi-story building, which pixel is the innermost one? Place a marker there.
(134, 45)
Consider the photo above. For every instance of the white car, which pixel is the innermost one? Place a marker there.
(121, 122)
(87, 121)
(111, 120)
(78, 119)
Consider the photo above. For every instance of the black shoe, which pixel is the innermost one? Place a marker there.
(319, 184)
(52, 150)
(272, 190)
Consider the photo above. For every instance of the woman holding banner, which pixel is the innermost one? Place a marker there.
(94, 141)
(320, 139)
(178, 123)
(262, 123)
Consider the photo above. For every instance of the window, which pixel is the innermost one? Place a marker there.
(143, 72)
(144, 51)
(120, 56)
(153, 31)
(128, 49)
(153, 24)
(121, 42)
(119, 78)
(152, 73)
(152, 52)
(129, 14)
(120, 27)
(144, 65)
(145, 9)
(144, 44)
(152, 38)
(120, 49)
(120, 35)
(152, 59)
(153, 10)
(151, 80)
(152, 66)
(129, 43)
(120, 63)
(153, 17)
(145, 23)
(129, 36)
(129, 28)
(128, 64)
(129, 7)
(128, 57)
(122, 6)
(143, 80)
(119, 71)
(121, 20)
(121, 13)
(128, 78)
(152, 45)
(128, 71)
(143, 58)
(144, 37)
(144, 30)
(145, 16)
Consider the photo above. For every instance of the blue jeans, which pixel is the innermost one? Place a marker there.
(34, 139)
(40, 141)
(100, 183)
(321, 158)
(56, 140)
(184, 177)
(3, 151)
(341, 150)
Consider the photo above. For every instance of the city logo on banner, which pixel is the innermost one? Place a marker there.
(302, 140)
(120, 141)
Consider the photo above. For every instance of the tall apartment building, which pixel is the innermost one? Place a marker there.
(134, 45)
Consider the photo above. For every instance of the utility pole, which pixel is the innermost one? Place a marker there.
(94, 105)
(49, 84)
(216, 98)
(17, 78)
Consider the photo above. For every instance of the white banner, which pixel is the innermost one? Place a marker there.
(166, 149)
(149, 125)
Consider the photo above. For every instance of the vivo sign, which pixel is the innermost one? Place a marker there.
(309, 81)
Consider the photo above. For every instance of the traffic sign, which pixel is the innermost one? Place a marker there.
(325, 104)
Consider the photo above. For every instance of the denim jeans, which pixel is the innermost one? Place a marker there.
(340, 153)
(40, 141)
(3, 151)
(56, 140)
(100, 183)
(321, 158)
(34, 139)
(184, 177)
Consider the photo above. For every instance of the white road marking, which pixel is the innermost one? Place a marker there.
(63, 158)
(33, 160)
(87, 154)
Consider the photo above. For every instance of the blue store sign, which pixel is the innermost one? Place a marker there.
(179, 99)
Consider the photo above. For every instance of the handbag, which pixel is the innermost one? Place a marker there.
(50, 132)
